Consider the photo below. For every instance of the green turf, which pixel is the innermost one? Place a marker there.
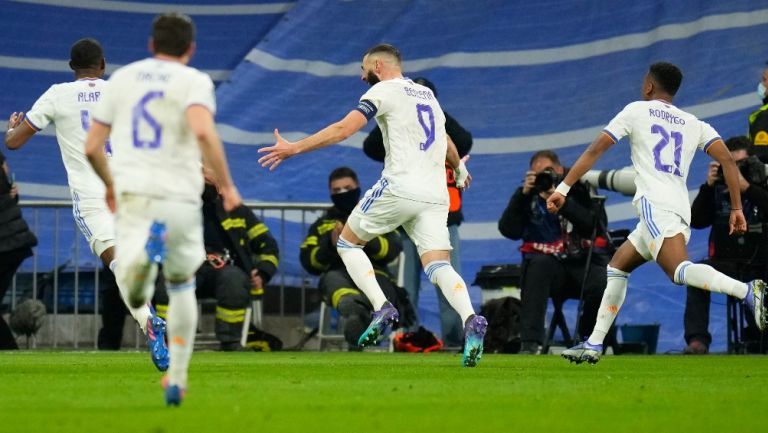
(363, 392)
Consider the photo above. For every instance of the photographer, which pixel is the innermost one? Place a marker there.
(554, 247)
(742, 256)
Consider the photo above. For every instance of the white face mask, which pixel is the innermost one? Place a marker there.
(761, 90)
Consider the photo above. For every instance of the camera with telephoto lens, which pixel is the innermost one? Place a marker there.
(546, 180)
(751, 168)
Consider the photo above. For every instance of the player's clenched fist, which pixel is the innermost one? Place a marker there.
(555, 202)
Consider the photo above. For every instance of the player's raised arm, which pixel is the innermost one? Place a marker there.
(718, 151)
(18, 131)
(331, 134)
(585, 162)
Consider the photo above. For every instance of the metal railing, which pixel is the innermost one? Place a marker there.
(288, 223)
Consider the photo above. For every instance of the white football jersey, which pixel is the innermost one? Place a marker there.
(413, 128)
(155, 152)
(663, 140)
(69, 106)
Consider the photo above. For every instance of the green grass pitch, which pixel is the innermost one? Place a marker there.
(369, 392)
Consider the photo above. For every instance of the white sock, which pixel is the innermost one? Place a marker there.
(361, 270)
(136, 281)
(442, 274)
(708, 278)
(182, 327)
(613, 297)
(140, 314)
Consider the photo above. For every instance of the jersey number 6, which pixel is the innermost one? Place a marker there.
(140, 113)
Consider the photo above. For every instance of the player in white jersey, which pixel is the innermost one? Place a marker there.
(160, 115)
(69, 107)
(663, 139)
(411, 193)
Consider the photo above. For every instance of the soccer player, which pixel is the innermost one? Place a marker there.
(411, 192)
(160, 112)
(69, 107)
(663, 139)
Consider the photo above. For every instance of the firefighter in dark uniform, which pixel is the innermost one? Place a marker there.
(758, 122)
(319, 257)
(242, 256)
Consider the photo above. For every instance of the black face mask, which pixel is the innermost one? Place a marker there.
(210, 193)
(346, 201)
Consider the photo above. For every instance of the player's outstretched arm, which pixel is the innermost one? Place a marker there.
(94, 150)
(200, 121)
(331, 134)
(718, 151)
(585, 162)
(18, 131)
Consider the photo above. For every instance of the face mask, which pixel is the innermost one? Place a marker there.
(761, 90)
(346, 201)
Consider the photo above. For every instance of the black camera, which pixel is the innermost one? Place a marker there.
(546, 179)
(751, 168)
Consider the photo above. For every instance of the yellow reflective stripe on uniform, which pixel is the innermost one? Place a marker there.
(271, 258)
(756, 113)
(230, 316)
(231, 223)
(311, 240)
(339, 293)
(326, 227)
(384, 244)
(257, 230)
(313, 259)
(162, 310)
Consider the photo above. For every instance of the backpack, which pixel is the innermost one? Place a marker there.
(503, 334)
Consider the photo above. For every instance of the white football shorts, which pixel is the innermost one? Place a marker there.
(654, 226)
(185, 250)
(380, 212)
(95, 221)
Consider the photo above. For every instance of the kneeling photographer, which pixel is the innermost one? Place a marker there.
(742, 256)
(555, 247)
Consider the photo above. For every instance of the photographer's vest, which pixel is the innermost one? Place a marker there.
(455, 217)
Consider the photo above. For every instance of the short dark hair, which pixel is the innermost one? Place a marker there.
(739, 142)
(549, 154)
(667, 76)
(172, 33)
(426, 83)
(86, 54)
(387, 49)
(342, 172)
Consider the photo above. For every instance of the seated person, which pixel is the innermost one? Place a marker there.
(242, 257)
(739, 256)
(319, 257)
(554, 248)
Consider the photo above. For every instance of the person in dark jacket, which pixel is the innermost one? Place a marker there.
(450, 322)
(554, 247)
(16, 242)
(738, 256)
(242, 257)
(319, 257)
(758, 121)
